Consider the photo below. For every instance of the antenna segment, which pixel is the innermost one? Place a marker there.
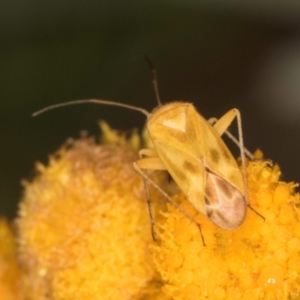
(154, 80)
(97, 101)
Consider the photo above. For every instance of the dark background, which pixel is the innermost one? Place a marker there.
(216, 55)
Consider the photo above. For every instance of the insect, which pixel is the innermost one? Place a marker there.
(191, 149)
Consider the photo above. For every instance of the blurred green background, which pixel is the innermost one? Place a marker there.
(217, 55)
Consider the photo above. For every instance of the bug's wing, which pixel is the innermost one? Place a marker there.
(185, 168)
(212, 151)
(225, 205)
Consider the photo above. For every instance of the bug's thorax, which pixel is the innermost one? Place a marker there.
(171, 115)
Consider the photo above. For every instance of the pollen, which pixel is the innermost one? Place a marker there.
(271, 277)
(10, 273)
(83, 232)
(258, 260)
(83, 226)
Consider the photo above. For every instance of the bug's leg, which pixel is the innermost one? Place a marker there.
(148, 152)
(154, 163)
(152, 155)
(256, 212)
(212, 121)
(149, 209)
(154, 79)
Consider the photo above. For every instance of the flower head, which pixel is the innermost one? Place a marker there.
(9, 268)
(84, 233)
(84, 227)
(258, 260)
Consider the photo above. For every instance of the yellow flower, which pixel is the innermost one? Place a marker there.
(258, 260)
(9, 269)
(84, 233)
(84, 227)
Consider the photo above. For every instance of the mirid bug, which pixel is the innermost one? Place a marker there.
(191, 149)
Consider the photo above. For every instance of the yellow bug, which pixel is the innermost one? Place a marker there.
(191, 149)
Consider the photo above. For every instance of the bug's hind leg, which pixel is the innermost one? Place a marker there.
(212, 121)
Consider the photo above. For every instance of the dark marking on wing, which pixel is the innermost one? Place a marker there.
(189, 167)
(214, 155)
(226, 188)
(216, 214)
(225, 204)
(215, 185)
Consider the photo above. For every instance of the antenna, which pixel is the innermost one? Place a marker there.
(154, 79)
(108, 102)
(97, 101)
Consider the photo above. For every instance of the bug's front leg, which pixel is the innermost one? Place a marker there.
(151, 162)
